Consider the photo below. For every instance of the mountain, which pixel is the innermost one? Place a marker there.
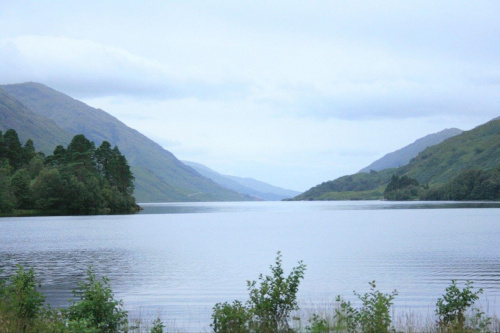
(403, 156)
(29, 125)
(247, 186)
(160, 176)
(477, 149)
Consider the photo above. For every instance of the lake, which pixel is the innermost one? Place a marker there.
(177, 260)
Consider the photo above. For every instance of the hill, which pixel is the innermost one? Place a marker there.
(403, 156)
(477, 149)
(29, 125)
(160, 176)
(247, 186)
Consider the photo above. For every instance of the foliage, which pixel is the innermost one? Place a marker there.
(20, 299)
(404, 188)
(360, 182)
(318, 325)
(7, 200)
(372, 317)
(157, 326)
(229, 318)
(468, 185)
(452, 307)
(269, 307)
(96, 305)
(76, 179)
(20, 187)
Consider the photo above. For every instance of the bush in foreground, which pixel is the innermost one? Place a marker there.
(97, 306)
(270, 305)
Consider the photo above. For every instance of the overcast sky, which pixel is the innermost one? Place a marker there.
(293, 93)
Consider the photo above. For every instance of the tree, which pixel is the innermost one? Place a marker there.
(104, 157)
(80, 153)
(35, 166)
(6, 198)
(13, 149)
(28, 151)
(404, 188)
(49, 190)
(20, 187)
(58, 157)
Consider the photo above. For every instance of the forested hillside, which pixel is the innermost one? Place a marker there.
(77, 179)
(463, 167)
(160, 176)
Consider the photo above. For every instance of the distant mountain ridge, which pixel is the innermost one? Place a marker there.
(248, 186)
(477, 149)
(160, 176)
(403, 156)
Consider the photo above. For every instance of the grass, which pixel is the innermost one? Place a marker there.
(404, 320)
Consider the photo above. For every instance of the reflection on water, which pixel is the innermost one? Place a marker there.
(225, 207)
(168, 260)
(60, 271)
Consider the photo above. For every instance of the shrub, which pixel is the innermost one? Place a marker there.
(269, 307)
(318, 325)
(97, 306)
(20, 300)
(452, 307)
(229, 318)
(157, 326)
(373, 316)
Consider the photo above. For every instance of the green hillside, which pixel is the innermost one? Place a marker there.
(29, 125)
(160, 176)
(478, 148)
(436, 166)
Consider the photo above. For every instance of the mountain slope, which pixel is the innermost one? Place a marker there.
(29, 125)
(403, 156)
(477, 149)
(160, 176)
(248, 186)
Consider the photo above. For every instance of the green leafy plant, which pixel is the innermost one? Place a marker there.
(452, 307)
(20, 299)
(157, 326)
(97, 305)
(373, 316)
(272, 300)
(318, 325)
(229, 318)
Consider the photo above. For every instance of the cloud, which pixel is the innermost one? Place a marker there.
(88, 69)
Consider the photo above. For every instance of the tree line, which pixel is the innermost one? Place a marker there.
(77, 179)
(467, 185)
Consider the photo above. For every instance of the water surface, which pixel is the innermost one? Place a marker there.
(178, 260)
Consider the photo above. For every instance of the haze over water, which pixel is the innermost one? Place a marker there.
(178, 260)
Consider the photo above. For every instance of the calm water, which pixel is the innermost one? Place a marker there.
(178, 260)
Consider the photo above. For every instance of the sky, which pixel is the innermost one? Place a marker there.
(293, 93)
